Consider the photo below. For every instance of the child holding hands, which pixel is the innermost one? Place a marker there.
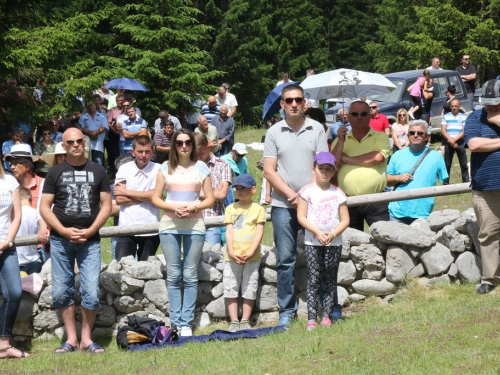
(318, 211)
(244, 230)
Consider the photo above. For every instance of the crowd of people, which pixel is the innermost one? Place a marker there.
(60, 190)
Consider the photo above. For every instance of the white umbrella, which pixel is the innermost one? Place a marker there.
(345, 83)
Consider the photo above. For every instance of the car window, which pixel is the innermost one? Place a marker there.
(440, 87)
(454, 81)
(391, 97)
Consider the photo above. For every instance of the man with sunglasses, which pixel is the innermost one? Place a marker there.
(79, 191)
(289, 151)
(468, 74)
(402, 162)
(482, 136)
(362, 161)
(378, 121)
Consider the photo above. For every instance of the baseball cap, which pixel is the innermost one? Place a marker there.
(491, 93)
(240, 148)
(245, 180)
(324, 157)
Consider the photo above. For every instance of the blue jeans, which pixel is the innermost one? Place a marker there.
(113, 249)
(88, 258)
(32, 267)
(402, 220)
(10, 283)
(121, 147)
(285, 228)
(181, 308)
(213, 235)
(98, 157)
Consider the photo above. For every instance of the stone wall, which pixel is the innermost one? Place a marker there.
(440, 249)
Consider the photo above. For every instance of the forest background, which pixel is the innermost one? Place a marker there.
(180, 48)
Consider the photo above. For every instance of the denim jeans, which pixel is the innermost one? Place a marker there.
(88, 258)
(141, 247)
(32, 267)
(181, 308)
(98, 157)
(121, 147)
(285, 228)
(10, 283)
(213, 235)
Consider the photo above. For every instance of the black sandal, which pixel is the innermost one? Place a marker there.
(3, 350)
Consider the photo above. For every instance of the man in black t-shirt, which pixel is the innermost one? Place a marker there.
(468, 74)
(79, 191)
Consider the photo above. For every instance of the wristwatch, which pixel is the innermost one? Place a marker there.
(10, 243)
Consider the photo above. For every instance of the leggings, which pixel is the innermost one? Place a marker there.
(322, 265)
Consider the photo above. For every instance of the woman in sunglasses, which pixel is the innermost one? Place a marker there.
(400, 130)
(183, 176)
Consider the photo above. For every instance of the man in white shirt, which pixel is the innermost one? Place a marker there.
(435, 64)
(134, 185)
(225, 97)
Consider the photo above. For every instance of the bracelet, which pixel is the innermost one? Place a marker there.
(334, 235)
(195, 209)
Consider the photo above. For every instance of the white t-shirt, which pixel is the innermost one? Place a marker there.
(322, 211)
(7, 186)
(229, 100)
(138, 180)
(29, 225)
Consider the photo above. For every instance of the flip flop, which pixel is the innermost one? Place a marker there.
(93, 349)
(65, 348)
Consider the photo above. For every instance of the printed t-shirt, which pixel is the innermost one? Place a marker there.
(245, 220)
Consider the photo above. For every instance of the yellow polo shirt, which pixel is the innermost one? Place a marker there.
(359, 180)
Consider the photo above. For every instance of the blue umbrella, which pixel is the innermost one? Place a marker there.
(125, 84)
(272, 104)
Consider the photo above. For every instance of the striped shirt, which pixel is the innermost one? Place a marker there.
(184, 189)
(220, 171)
(160, 139)
(454, 124)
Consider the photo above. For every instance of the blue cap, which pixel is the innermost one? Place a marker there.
(245, 180)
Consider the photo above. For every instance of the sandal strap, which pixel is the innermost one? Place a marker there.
(3, 350)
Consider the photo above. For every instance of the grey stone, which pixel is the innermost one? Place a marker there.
(61, 332)
(127, 304)
(220, 266)
(130, 285)
(161, 258)
(452, 239)
(382, 245)
(217, 308)
(156, 293)
(301, 257)
(346, 249)
(369, 259)
(421, 224)
(436, 259)
(462, 223)
(260, 317)
(27, 309)
(473, 230)
(415, 251)
(346, 273)
(301, 278)
(144, 271)
(401, 234)
(443, 279)
(110, 297)
(46, 336)
(269, 275)
(469, 213)
(103, 332)
(204, 293)
(218, 248)
(469, 267)
(217, 290)
(207, 246)
(114, 267)
(418, 270)
(152, 310)
(342, 295)
(373, 287)
(356, 237)
(453, 271)
(469, 245)
(388, 298)
(46, 273)
(269, 256)
(210, 257)
(126, 262)
(45, 299)
(111, 282)
(398, 263)
(201, 320)
(47, 320)
(105, 316)
(438, 220)
(267, 299)
(208, 273)
(301, 304)
(355, 297)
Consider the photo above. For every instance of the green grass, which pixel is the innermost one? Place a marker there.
(442, 330)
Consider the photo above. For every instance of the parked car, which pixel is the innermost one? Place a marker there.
(390, 103)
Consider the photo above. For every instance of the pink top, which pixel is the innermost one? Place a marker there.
(417, 87)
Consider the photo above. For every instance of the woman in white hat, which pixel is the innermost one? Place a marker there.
(56, 157)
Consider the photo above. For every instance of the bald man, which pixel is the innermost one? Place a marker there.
(79, 191)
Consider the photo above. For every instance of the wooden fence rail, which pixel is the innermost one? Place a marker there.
(219, 220)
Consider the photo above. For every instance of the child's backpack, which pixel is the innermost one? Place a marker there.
(138, 331)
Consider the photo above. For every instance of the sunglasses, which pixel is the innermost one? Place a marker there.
(78, 141)
(402, 115)
(374, 106)
(47, 133)
(420, 134)
(357, 114)
(290, 100)
(187, 143)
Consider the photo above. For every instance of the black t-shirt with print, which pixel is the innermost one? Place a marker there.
(77, 194)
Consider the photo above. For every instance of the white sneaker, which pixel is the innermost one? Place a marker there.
(186, 331)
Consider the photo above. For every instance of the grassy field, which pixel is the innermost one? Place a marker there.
(443, 330)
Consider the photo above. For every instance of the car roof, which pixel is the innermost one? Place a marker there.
(414, 74)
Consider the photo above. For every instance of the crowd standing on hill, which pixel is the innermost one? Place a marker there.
(55, 172)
